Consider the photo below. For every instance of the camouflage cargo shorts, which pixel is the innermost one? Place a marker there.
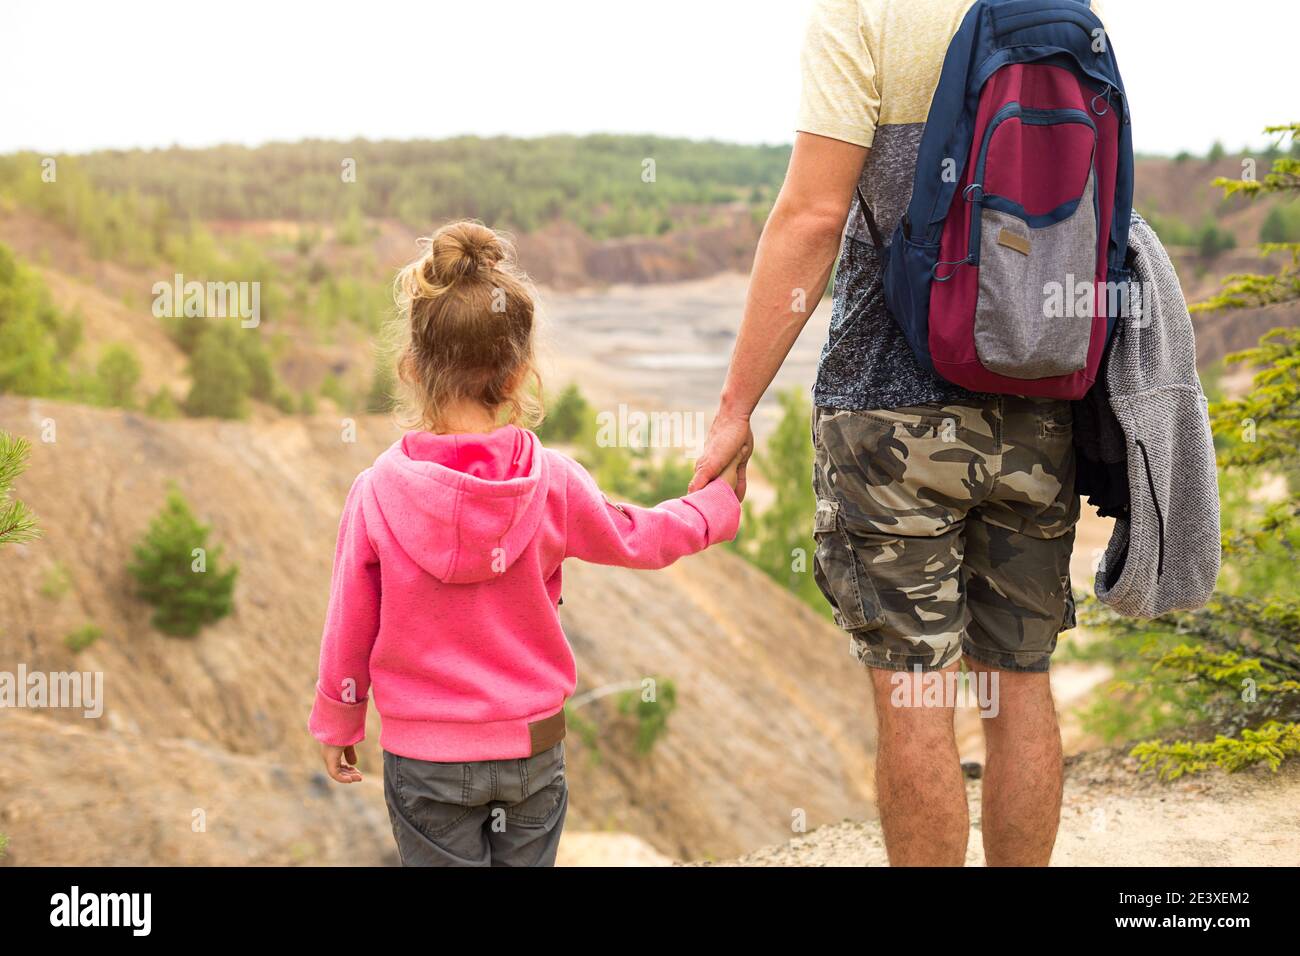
(947, 529)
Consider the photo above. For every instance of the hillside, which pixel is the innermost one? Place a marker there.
(771, 713)
(641, 296)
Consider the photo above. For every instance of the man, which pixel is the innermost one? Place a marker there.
(945, 519)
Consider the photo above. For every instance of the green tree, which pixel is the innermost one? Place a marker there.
(779, 538)
(179, 574)
(1282, 224)
(651, 714)
(220, 379)
(117, 375)
(1231, 670)
(32, 333)
(257, 360)
(17, 523)
(566, 417)
(145, 205)
(1213, 240)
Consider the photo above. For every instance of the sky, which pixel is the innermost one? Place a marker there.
(77, 76)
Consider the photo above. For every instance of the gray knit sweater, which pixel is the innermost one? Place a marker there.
(1165, 555)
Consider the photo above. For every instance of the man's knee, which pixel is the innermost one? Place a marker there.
(910, 704)
(1021, 702)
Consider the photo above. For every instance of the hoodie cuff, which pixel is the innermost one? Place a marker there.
(335, 723)
(721, 509)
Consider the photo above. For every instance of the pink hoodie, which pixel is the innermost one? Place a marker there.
(446, 585)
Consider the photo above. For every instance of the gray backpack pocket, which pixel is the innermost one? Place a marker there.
(1030, 319)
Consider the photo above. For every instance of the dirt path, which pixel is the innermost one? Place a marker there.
(1114, 817)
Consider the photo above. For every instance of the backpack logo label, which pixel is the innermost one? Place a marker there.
(1014, 241)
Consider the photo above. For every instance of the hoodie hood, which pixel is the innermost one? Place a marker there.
(462, 507)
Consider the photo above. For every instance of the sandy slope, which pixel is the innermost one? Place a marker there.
(771, 712)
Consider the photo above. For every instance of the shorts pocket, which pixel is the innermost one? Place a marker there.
(917, 421)
(839, 573)
(1056, 424)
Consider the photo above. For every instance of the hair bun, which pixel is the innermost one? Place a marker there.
(462, 250)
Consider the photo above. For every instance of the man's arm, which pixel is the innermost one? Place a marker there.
(795, 253)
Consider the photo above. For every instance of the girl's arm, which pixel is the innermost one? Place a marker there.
(351, 625)
(633, 537)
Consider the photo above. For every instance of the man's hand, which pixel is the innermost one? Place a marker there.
(341, 763)
(729, 439)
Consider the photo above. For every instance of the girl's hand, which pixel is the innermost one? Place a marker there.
(341, 763)
(731, 474)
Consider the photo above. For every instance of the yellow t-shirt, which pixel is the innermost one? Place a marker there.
(873, 63)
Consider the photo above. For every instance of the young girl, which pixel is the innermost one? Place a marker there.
(447, 575)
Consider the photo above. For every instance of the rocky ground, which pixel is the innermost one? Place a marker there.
(1113, 816)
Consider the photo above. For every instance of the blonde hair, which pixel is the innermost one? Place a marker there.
(465, 330)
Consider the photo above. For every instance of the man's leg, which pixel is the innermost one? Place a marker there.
(1017, 583)
(919, 787)
(893, 489)
(1023, 770)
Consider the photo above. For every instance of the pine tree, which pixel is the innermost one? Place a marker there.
(32, 333)
(17, 523)
(567, 417)
(1255, 291)
(178, 574)
(779, 539)
(220, 378)
(1232, 668)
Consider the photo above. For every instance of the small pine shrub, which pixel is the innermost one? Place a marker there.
(179, 575)
(83, 637)
(651, 715)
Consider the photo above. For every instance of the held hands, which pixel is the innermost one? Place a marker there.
(341, 763)
(731, 474)
(726, 454)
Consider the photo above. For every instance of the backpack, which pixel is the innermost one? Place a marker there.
(1007, 272)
